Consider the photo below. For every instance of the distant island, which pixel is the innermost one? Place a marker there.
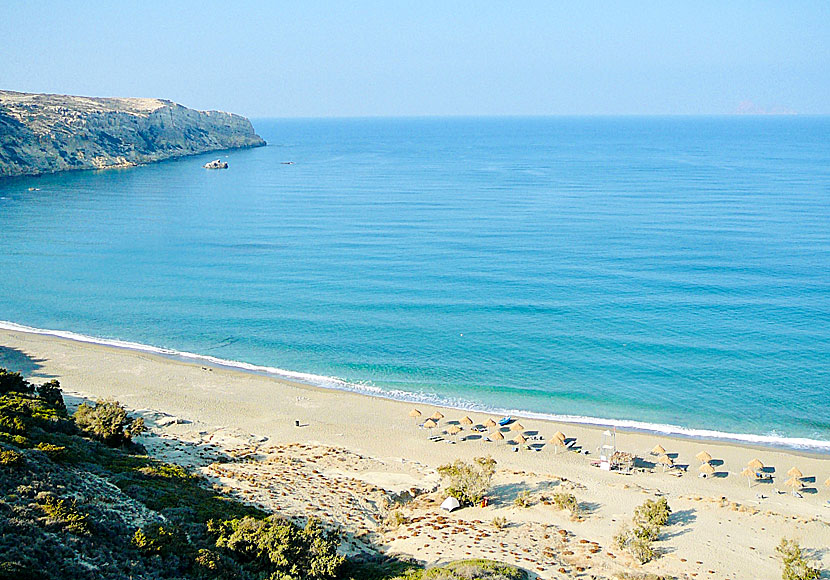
(41, 133)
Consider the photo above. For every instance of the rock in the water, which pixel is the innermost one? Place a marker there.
(49, 133)
(216, 164)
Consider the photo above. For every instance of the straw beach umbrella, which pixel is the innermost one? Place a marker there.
(521, 439)
(793, 482)
(466, 421)
(454, 430)
(749, 474)
(658, 450)
(703, 457)
(665, 461)
(559, 435)
(795, 472)
(827, 483)
(497, 436)
(437, 416)
(490, 423)
(707, 469)
(756, 464)
(430, 424)
(517, 427)
(415, 413)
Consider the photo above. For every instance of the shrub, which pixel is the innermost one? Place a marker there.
(635, 543)
(13, 383)
(566, 501)
(108, 422)
(66, 513)
(396, 518)
(12, 425)
(468, 483)
(53, 452)
(653, 513)
(160, 540)
(523, 500)
(795, 566)
(51, 393)
(475, 570)
(277, 548)
(499, 523)
(10, 458)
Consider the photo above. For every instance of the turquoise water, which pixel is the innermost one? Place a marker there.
(671, 271)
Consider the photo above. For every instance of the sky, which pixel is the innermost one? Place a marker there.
(423, 58)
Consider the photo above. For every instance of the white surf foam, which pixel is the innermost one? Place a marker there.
(771, 440)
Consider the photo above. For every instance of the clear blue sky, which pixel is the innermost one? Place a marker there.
(319, 59)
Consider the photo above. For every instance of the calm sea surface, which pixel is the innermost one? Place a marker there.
(673, 271)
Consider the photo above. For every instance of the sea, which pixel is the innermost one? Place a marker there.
(669, 274)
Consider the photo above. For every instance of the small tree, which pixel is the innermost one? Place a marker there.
(108, 422)
(795, 566)
(468, 482)
(13, 383)
(51, 393)
(276, 548)
(653, 513)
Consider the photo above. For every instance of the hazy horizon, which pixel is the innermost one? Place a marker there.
(324, 60)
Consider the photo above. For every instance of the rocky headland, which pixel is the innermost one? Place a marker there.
(42, 133)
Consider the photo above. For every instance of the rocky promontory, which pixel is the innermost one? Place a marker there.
(48, 133)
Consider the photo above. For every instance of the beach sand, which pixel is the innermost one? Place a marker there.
(353, 454)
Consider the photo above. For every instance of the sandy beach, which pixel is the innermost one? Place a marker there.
(352, 453)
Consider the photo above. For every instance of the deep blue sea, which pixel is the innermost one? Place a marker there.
(668, 271)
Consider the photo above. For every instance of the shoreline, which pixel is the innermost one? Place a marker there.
(351, 448)
(800, 445)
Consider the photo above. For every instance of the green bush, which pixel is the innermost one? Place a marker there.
(278, 549)
(468, 482)
(499, 522)
(475, 570)
(160, 540)
(566, 501)
(108, 422)
(13, 383)
(53, 452)
(66, 513)
(523, 500)
(653, 513)
(51, 393)
(795, 566)
(636, 543)
(10, 458)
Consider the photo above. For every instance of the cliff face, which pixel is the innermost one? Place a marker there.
(48, 133)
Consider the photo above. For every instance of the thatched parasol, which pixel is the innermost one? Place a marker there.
(490, 423)
(658, 450)
(703, 457)
(827, 483)
(454, 430)
(559, 435)
(414, 413)
(756, 464)
(466, 421)
(497, 436)
(795, 472)
(793, 482)
(437, 416)
(430, 424)
(665, 461)
(707, 469)
(749, 474)
(517, 427)
(521, 439)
